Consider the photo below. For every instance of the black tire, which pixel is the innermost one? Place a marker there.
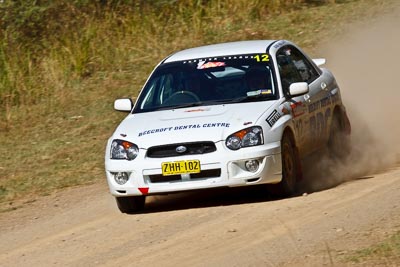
(131, 205)
(339, 141)
(291, 169)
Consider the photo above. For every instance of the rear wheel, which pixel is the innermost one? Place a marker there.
(291, 170)
(130, 205)
(339, 141)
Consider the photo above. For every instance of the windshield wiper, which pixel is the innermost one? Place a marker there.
(196, 104)
(252, 98)
(240, 99)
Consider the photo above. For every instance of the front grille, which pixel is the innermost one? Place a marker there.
(159, 178)
(191, 149)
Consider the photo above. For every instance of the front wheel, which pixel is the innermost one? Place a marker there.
(291, 170)
(130, 205)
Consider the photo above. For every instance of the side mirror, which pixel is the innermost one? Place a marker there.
(319, 61)
(297, 89)
(124, 104)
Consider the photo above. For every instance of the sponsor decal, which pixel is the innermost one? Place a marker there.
(260, 92)
(318, 124)
(185, 127)
(212, 62)
(297, 109)
(213, 125)
(203, 65)
(159, 130)
(266, 91)
(327, 101)
(273, 117)
(279, 44)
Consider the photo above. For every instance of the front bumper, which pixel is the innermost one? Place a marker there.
(222, 168)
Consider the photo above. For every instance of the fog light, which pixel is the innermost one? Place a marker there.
(120, 177)
(252, 165)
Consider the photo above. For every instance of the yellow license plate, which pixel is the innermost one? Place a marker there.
(180, 167)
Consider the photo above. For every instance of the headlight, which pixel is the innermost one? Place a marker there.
(123, 150)
(252, 136)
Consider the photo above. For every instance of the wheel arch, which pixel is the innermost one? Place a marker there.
(289, 131)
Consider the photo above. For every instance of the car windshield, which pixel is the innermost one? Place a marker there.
(217, 80)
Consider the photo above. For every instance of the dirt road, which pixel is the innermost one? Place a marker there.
(358, 206)
(217, 229)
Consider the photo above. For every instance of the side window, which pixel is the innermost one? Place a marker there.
(287, 69)
(304, 67)
(294, 67)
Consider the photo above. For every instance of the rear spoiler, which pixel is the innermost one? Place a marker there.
(319, 61)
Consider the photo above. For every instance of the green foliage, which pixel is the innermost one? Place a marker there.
(387, 251)
(63, 41)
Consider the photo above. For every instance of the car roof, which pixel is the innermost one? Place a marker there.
(222, 49)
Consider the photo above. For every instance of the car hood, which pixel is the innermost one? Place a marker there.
(206, 123)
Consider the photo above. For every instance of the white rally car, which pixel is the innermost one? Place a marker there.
(224, 115)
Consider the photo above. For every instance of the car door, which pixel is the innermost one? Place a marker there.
(307, 111)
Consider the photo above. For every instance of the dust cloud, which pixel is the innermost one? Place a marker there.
(366, 64)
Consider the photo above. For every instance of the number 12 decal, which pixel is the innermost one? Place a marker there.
(263, 58)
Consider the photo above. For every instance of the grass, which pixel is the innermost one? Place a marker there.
(385, 253)
(56, 103)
